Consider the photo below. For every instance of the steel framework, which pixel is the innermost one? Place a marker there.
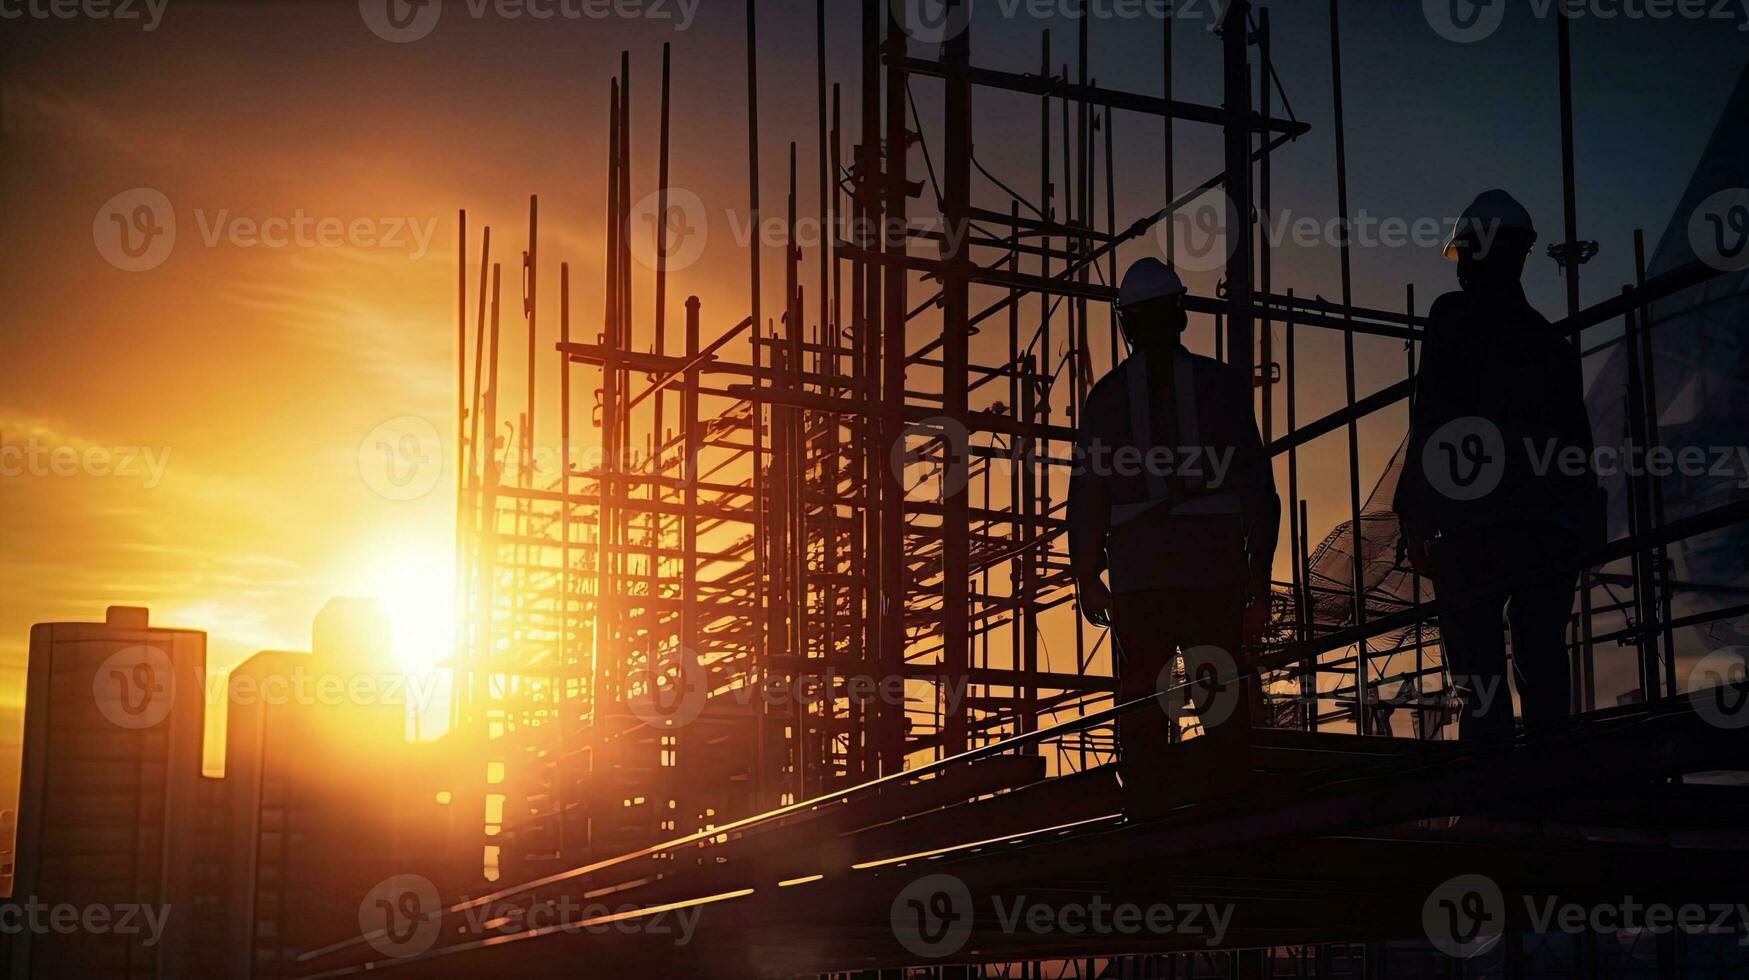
(736, 594)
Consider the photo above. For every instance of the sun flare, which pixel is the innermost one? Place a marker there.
(415, 587)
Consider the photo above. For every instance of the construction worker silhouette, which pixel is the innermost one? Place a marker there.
(1492, 507)
(1173, 493)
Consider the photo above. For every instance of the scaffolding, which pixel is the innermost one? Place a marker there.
(784, 555)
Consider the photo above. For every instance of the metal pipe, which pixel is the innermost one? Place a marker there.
(894, 587)
(1362, 711)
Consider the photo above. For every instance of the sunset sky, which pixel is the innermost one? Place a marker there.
(240, 380)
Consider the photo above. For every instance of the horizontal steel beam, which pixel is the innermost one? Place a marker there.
(1111, 98)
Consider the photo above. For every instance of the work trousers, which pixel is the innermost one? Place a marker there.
(1534, 567)
(1151, 628)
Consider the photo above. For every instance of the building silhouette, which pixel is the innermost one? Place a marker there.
(112, 811)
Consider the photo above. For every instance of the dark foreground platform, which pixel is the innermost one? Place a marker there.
(1293, 838)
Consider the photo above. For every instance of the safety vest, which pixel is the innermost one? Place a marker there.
(1187, 534)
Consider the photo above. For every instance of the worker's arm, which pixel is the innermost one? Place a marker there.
(1089, 520)
(1254, 479)
(1588, 503)
(1429, 409)
(1571, 385)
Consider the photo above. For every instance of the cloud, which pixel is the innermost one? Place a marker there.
(35, 113)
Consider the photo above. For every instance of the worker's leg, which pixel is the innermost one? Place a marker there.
(1143, 630)
(1474, 641)
(1214, 619)
(1538, 614)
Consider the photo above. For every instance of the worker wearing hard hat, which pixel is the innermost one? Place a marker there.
(1173, 494)
(1486, 511)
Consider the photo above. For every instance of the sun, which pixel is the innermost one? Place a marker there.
(415, 585)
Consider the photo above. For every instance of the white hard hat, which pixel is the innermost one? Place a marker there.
(1490, 213)
(1148, 279)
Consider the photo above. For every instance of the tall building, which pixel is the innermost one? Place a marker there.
(110, 878)
(327, 798)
